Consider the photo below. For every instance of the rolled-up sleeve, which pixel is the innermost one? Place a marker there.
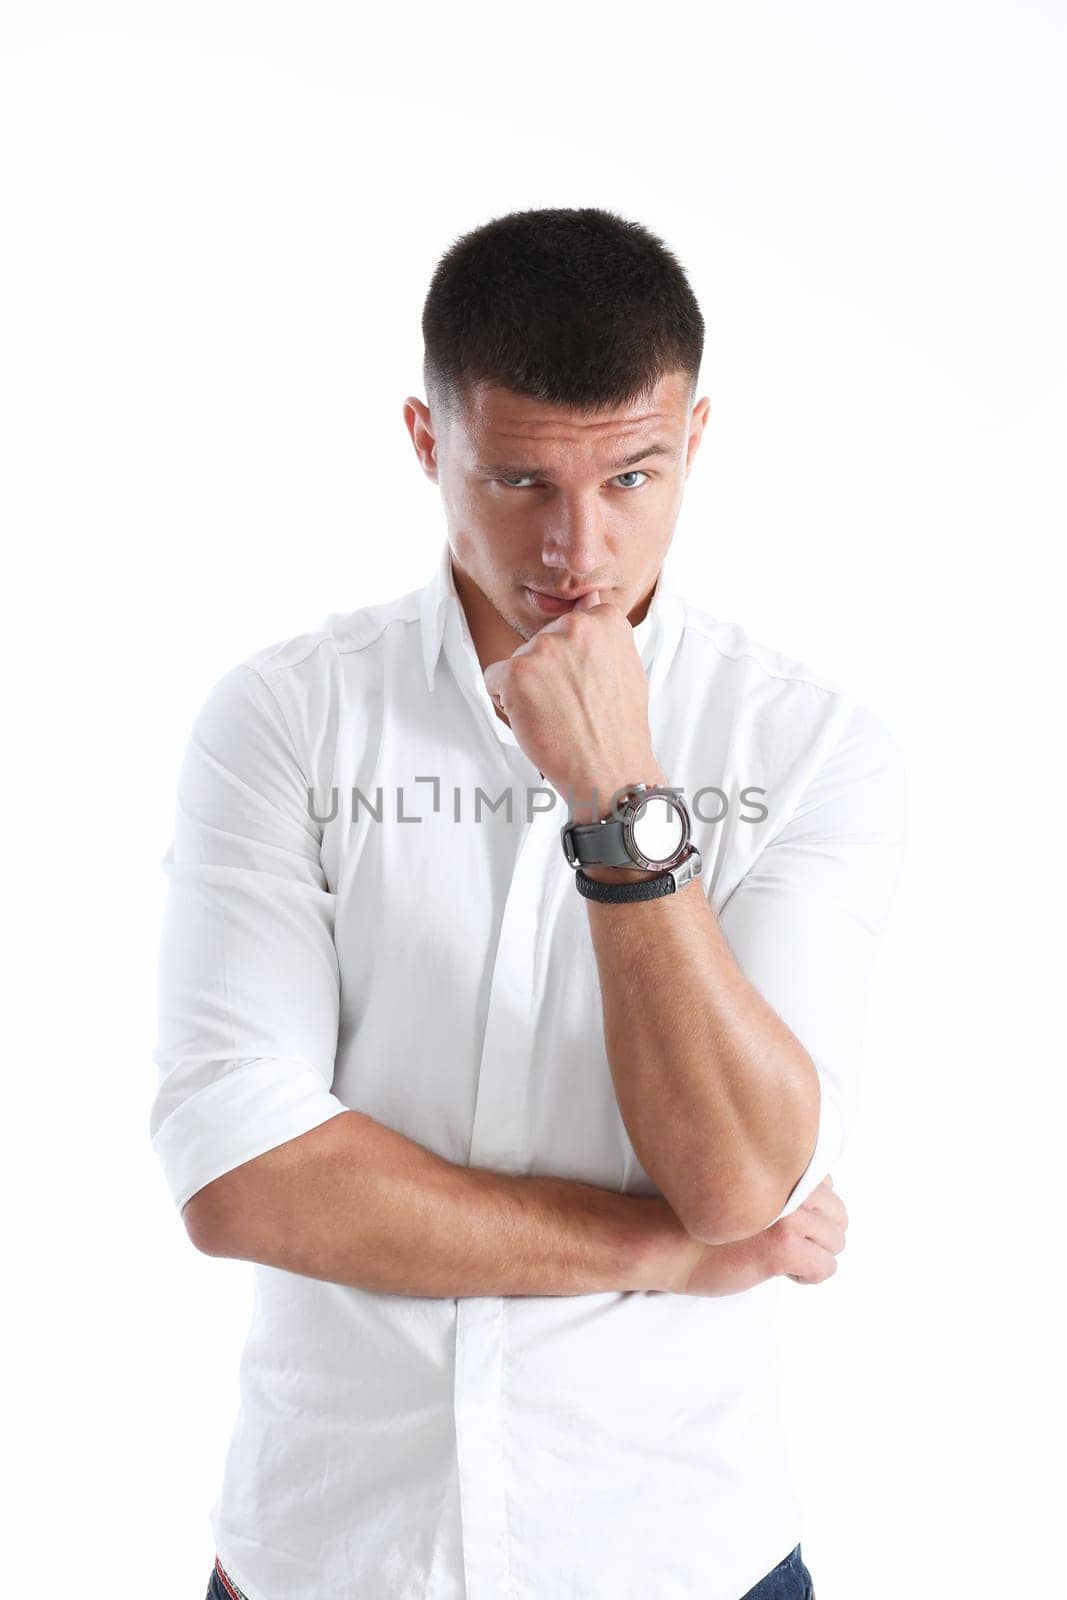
(248, 985)
(805, 924)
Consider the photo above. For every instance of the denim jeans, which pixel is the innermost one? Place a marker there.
(789, 1580)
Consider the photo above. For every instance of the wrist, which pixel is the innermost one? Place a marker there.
(667, 1253)
(602, 874)
(677, 1263)
(590, 801)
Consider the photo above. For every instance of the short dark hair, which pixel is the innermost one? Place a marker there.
(577, 307)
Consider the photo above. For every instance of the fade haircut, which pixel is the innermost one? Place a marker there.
(575, 307)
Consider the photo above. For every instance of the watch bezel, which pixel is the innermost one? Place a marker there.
(634, 800)
(627, 803)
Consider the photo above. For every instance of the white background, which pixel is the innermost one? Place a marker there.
(219, 222)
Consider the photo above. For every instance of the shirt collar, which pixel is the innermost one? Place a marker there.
(656, 636)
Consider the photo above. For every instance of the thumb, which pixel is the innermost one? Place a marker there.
(588, 601)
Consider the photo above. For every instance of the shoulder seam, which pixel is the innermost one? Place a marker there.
(749, 655)
(387, 622)
(325, 638)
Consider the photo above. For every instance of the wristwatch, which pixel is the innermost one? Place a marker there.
(650, 828)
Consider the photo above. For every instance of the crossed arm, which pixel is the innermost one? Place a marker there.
(268, 1165)
(354, 1202)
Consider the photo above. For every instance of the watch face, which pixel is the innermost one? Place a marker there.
(658, 829)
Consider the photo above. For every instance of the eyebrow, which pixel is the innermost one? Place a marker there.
(510, 470)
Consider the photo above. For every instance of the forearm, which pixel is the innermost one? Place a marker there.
(720, 1099)
(354, 1202)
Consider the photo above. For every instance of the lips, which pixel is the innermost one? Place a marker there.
(553, 604)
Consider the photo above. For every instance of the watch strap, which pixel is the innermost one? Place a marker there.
(600, 844)
(603, 843)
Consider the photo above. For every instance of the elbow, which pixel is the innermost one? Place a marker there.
(732, 1211)
(744, 1210)
(714, 1225)
(718, 1218)
(750, 1199)
(198, 1228)
(209, 1221)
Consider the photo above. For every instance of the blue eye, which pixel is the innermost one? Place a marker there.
(510, 483)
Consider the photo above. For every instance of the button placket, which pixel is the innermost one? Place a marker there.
(497, 1142)
(497, 1138)
(479, 1446)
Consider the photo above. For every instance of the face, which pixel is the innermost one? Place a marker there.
(541, 499)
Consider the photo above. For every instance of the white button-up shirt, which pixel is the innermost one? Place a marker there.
(439, 975)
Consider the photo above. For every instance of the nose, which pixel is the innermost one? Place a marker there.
(578, 541)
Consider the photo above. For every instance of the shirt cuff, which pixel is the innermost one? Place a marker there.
(256, 1105)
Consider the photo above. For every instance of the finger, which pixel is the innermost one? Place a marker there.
(811, 1264)
(824, 1197)
(825, 1231)
(827, 1204)
(587, 601)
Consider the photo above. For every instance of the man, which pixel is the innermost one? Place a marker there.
(522, 1087)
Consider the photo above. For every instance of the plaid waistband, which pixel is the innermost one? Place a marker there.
(228, 1583)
